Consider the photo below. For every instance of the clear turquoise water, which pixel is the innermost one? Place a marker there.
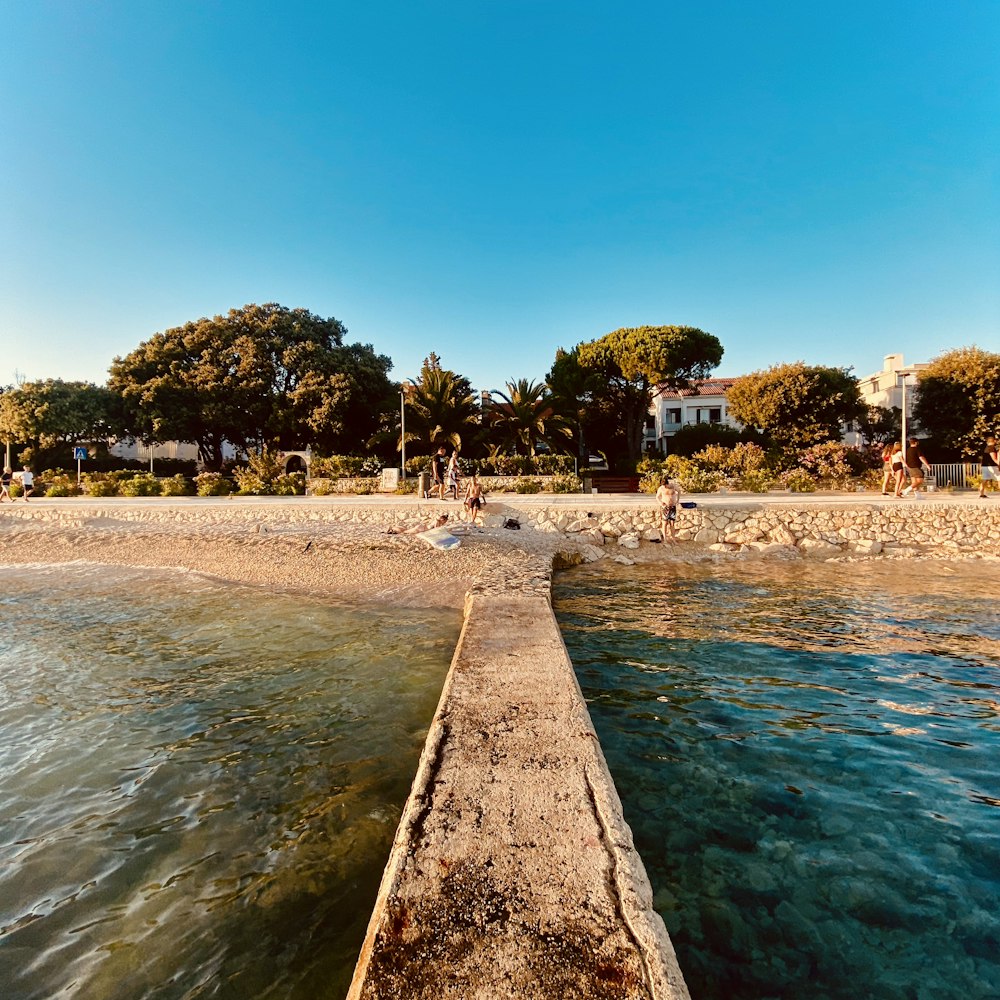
(808, 757)
(199, 783)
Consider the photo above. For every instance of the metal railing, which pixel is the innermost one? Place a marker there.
(954, 474)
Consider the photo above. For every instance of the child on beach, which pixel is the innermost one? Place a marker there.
(668, 497)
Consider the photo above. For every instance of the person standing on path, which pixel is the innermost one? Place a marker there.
(668, 496)
(915, 465)
(887, 473)
(437, 470)
(5, 481)
(27, 483)
(474, 499)
(453, 475)
(989, 466)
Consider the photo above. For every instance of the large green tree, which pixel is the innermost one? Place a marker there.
(49, 417)
(260, 376)
(523, 416)
(958, 399)
(440, 408)
(796, 405)
(632, 361)
(573, 391)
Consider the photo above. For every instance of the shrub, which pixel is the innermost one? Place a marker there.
(176, 486)
(755, 481)
(406, 487)
(566, 484)
(291, 484)
(798, 481)
(713, 458)
(526, 485)
(695, 480)
(212, 484)
(828, 463)
(60, 484)
(553, 465)
(98, 484)
(140, 485)
(747, 457)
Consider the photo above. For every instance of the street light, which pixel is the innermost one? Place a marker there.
(402, 429)
(904, 376)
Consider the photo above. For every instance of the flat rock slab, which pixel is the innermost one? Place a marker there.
(513, 873)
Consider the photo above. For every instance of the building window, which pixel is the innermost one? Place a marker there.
(650, 422)
(674, 415)
(715, 415)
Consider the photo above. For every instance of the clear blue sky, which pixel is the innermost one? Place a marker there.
(493, 180)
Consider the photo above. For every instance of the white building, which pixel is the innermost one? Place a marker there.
(892, 387)
(672, 409)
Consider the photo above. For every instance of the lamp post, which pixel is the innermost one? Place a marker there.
(402, 430)
(903, 377)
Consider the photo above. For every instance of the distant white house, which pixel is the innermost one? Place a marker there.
(889, 388)
(672, 409)
(185, 451)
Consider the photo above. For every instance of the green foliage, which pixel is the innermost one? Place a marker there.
(714, 458)
(755, 481)
(958, 399)
(264, 475)
(440, 407)
(527, 485)
(795, 404)
(695, 437)
(828, 463)
(693, 479)
(631, 361)
(406, 487)
(98, 484)
(59, 484)
(524, 417)
(176, 486)
(880, 424)
(53, 415)
(798, 481)
(337, 467)
(212, 484)
(259, 375)
(140, 485)
(566, 484)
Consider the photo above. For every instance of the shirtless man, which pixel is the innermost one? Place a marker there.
(668, 497)
(474, 498)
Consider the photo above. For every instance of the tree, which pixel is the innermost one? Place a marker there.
(880, 424)
(958, 399)
(572, 391)
(796, 405)
(440, 407)
(525, 417)
(53, 415)
(634, 360)
(261, 376)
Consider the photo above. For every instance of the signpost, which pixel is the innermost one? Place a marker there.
(79, 454)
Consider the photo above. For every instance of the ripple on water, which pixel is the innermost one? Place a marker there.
(199, 783)
(807, 756)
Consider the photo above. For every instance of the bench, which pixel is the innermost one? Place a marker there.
(616, 484)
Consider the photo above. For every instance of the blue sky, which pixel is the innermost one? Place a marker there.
(493, 180)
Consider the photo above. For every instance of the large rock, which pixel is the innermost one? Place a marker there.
(630, 540)
(818, 548)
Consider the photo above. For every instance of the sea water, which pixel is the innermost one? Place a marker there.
(809, 758)
(199, 782)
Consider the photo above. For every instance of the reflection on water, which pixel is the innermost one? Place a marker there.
(807, 755)
(199, 783)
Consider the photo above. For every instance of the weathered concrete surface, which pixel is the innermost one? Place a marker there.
(513, 873)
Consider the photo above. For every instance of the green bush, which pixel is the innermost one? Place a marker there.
(526, 485)
(566, 484)
(176, 486)
(755, 481)
(696, 480)
(141, 485)
(553, 465)
(59, 484)
(291, 484)
(212, 484)
(336, 467)
(828, 463)
(406, 487)
(99, 484)
(798, 481)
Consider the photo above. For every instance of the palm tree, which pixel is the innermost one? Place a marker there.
(440, 405)
(525, 417)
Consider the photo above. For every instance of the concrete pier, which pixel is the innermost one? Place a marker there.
(513, 873)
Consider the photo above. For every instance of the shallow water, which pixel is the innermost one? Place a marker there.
(199, 783)
(807, 755)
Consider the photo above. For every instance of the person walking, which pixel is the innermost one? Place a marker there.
(989, 466)
(668, 497)
(886, 469)
(897, 467)
(27, 483)
(915, 465)
(5, 481)
(474, 499)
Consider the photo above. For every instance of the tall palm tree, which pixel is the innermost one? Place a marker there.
(440, 406)
(524, 417)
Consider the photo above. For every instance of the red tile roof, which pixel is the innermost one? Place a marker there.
(710, 387)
